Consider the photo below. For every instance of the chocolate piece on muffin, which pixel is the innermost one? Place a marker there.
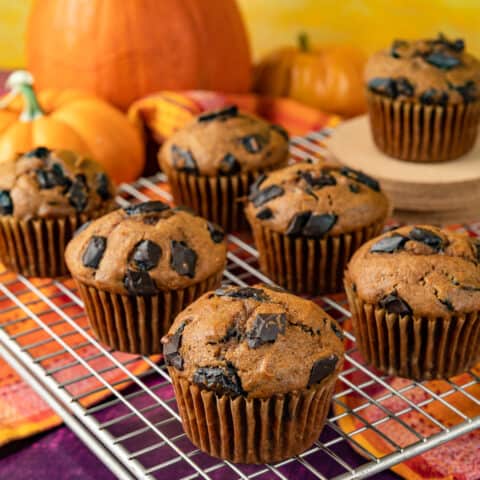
(415, 298)
(268, 357)
(213, 160)
(44, 197)
(309, 218)
(138, 267)
(424, 99)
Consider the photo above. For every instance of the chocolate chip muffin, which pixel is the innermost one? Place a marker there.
(44, 197)
(254, 370)
(309, 218)
(137, 267)
(414, 294)
(423, 99)
(212, 162)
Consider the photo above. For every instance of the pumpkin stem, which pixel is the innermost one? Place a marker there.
(21, 82)
(303, 42)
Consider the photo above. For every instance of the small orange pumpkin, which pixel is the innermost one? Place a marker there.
(328, 78)
(72, 120)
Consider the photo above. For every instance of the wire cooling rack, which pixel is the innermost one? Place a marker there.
(133, 424)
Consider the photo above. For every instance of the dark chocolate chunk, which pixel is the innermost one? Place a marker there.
(139, 283)
(243, 293)
(360, 177)
(319, 225)
(222, 380)
(468, 91)
(81, 228)
(253, 143)
(6, 204)
(427, 237)
(229, 165)
(266, 194)
(50, 178)
(256, 184)
(442, 60)
(39, 152)
(102, 186)
(447, 304)
(396, 45)
(297, 223)
(383, 86)
(394, 304)
(146, 255)
(183, 259)
(183, 160)
(265, 214)
(337, 331)
(279, 129)
(457, 45)
(94, 252)
(318, 182)
(216, 232)
(77, 194)
(223, 114)
(266, 328)
(146, 207)
(354, 187)
(322, 368)
(171, 349)
(434, 97)
(389, 244)
(404, 87)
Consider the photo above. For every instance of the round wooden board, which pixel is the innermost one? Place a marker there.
(442, 192)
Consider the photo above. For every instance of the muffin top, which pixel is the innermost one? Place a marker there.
(314, 199)
(254, 341)
(435, 72)
(52, 184)
(225, 142)
(421, 270)
(146, 248)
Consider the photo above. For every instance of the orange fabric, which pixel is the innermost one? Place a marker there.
(165, 112)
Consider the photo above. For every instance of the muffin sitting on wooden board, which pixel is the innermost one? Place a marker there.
(254, 370)
(212, 161)
(44, 197)
(423, 99)
(139, 266)
(414, 294)
(309, 218)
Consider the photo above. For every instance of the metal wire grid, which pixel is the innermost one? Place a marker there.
(137, 432)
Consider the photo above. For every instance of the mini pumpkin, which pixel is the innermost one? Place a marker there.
(328, 78)
(71, 120)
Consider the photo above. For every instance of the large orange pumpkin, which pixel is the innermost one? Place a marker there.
(329, 78)
(126, 49)
(69, 119)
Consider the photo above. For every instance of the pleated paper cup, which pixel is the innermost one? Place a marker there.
(420, 348)
(219, 199)
(136, 324)
(35, 248)
(305, 265)
(423, 133)
(252, 430)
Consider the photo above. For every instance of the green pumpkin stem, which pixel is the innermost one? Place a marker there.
(21, 82)
(303, 42)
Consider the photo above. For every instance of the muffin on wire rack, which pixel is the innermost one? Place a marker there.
(414, 294)
(254, 369)
(309, 218)
(212, 162)
(44, 197)
(424, 99)
(139, 266)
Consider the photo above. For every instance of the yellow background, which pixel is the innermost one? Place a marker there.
(370, 24)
